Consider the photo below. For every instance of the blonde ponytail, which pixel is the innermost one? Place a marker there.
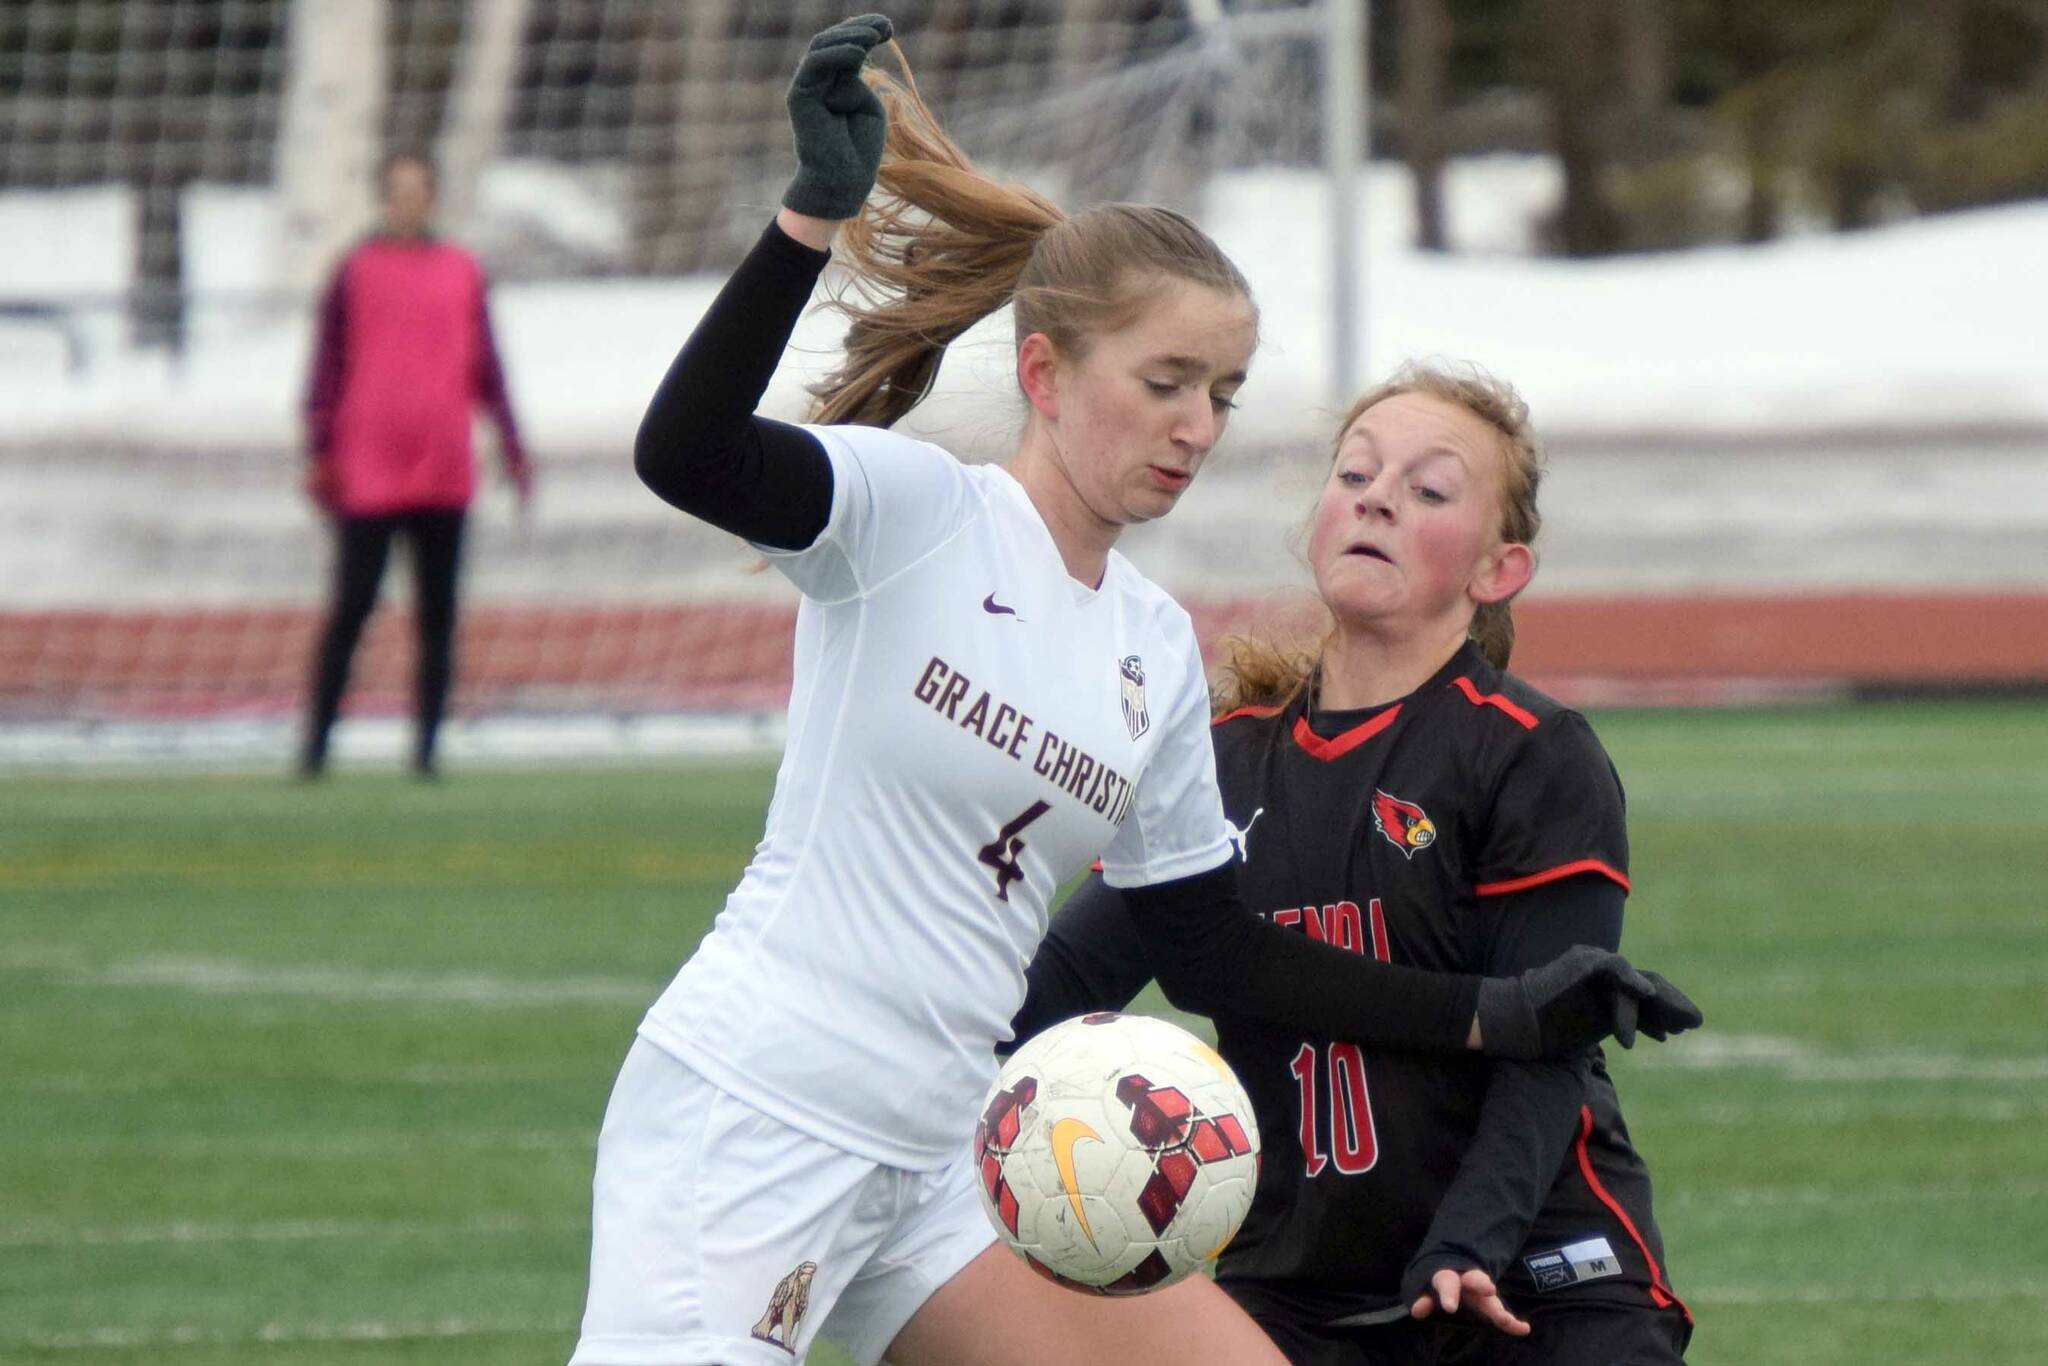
(940, 246)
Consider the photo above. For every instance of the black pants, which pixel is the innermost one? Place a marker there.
(435, 538)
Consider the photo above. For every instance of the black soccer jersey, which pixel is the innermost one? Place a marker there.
(1404, 835)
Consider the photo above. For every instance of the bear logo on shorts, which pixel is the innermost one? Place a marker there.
(786, 1307)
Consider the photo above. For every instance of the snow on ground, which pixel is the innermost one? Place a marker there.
(1814, 413)
(1818, 412)
(1929, 323)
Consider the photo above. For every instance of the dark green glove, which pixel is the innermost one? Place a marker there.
(1576, 1000)
(838, 121)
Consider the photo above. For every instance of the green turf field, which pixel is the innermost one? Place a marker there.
(312, 1074)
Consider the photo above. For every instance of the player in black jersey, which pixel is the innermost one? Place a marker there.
(752, 1193)
(1397, 793)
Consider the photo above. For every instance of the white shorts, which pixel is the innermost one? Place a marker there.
(721, 1235)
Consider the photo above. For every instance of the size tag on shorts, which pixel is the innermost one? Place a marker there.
(1590, 1259)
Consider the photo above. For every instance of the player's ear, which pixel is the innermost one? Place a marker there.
(1038, 364)
(1502, 572)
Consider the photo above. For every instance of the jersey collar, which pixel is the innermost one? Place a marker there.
(1329, 748)
(1079, 593)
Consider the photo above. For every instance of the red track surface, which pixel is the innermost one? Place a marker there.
(156, 663)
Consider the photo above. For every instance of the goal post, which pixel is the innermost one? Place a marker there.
(609, 161)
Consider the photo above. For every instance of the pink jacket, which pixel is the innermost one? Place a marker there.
(404, 355)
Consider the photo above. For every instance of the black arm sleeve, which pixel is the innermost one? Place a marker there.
(1211, 953)
(1090, 959)
(1531, 1109)
(701, 447)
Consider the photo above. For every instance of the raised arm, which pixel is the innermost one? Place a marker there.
(700, 445)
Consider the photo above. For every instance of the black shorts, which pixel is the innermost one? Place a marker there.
(1562, 1333)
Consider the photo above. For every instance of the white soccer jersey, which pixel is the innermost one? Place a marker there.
(969, 727)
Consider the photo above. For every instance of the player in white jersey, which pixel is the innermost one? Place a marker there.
(970, 725)
(987, 698)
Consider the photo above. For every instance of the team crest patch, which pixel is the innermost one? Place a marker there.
(785, 1312)
(1133, 670)
(1404, 824)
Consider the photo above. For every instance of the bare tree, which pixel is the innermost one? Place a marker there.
(697, 123)
(1423, 78)
(1098, 158)
(1643, 52)
(1577, 57)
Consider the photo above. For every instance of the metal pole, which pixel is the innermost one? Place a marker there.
(1346, 105)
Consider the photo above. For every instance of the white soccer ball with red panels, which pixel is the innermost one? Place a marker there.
(1117, 1153)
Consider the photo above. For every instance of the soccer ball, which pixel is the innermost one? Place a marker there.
(1116, 1153)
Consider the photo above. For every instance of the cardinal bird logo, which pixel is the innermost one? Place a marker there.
(1404, 824)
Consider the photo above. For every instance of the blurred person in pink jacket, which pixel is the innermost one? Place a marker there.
(403, 356)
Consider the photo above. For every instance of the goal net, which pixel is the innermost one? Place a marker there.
(180, 175)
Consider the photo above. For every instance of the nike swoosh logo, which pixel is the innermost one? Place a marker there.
(1065, 1134)
(994, 608)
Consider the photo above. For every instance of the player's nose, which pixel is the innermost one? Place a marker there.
(1375, 501)
(1197, 423)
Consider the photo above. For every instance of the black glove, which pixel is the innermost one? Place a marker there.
(838, 121)
(1669, 1011)
(1576, 1000)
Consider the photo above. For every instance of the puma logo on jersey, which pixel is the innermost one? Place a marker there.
(996, 609)
(1404, 824)
(1241, 836)
(786, 1306)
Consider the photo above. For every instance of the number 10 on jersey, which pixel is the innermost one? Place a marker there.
(1330, 1079)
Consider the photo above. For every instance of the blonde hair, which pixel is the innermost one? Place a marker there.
(1252, 671)
(942, 246)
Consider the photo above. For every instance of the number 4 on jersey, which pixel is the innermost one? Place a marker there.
(1001, 852)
